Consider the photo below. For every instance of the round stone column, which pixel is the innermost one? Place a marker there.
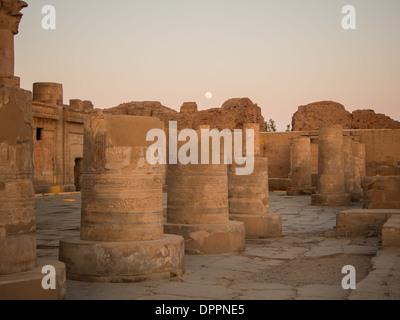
(198, 208)
(348, 164)
(122, 237)
(301, 168)
(249, 194)
(359, 170)
(332, 189)
(48, 92)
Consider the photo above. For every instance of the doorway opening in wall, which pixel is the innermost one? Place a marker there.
(78, 174)
(39, 134)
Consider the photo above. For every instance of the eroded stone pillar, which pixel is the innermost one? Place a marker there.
(20, 272)
(301, 168)
(359, 170)
(17, 198)
(198, 207)
(348, 160)
(332, 189)
(122, 238)
(249, 195)
(10, 18)
(48, 92)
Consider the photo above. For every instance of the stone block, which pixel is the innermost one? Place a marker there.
(331, 199)
(28, 285)
(362, 222)
(391, 234)
(260, 226)
(210, 238)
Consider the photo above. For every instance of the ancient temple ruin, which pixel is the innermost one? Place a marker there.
(19, 268)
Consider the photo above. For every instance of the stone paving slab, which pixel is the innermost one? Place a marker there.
(242, 276)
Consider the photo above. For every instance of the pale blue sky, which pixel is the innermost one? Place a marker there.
(280, 54)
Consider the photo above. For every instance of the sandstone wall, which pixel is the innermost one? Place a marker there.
(381, 192)
(324, 113)
(232, 114)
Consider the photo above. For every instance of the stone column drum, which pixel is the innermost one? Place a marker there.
(331, 177)
(122, 237)
(301, 168)
(198, 210)
(249, 196)
(359, 170)
(48, 92)
(348, 164)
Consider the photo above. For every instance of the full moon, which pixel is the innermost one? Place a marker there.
(208, 95)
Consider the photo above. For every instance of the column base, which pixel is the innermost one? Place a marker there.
(123, 261)
(331, 200)
(260, 226)
(301, 191)
(28, 285)
(210, 238)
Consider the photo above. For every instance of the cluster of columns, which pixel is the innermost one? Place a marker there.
(123, 235)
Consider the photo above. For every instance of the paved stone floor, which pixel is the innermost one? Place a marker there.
(305, 264)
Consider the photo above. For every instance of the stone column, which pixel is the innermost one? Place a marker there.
(198, 207)
(20, 272)
(301, 168)
(348, 164)
(332, 189)
(10, 17)
(17, 198)
(48, 92)
(249, 196)
(359, 170)
(122, 237)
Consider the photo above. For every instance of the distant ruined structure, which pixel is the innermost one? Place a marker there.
(233, 114)
(315, 115)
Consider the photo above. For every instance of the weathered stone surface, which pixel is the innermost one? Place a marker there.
(381, 192)
(17, 215)
(233, 114)
(198, 207)
(10, 17)
(123, 261)
(211, 238)
(58, 139)
(48, 92)
(320, 114)
(331, 186)
(122, 236)
(368, 119)
(121, 192)
(359, 169)
(362, 222)
(28, 285)
(391, 234)
(301, 167)
(249, 201)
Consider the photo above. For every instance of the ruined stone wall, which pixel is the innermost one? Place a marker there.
(381, 192)
(316, 115)
(58, 139)
(232, 114)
